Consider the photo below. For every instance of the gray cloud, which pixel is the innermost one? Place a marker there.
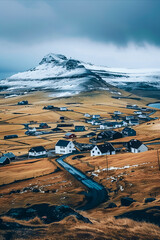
(122, 33)
(108, 21)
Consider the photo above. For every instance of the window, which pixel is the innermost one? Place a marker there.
(98, 152)
(92, 151)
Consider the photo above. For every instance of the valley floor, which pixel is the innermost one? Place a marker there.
(26, 182)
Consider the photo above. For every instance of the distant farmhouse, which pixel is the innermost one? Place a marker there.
(49, 107)
(111, 125)
(23, 102)
(137, 112)
(87, 115)
(10, 136)
(79, 128)
(109, 135)
(65, 125)
(127, 131)
(63, 109)
(9, 155)
(103, 149)
(117, 112)
(70, 135)
(37, 152)
(96, 116)
(43, 125)
(57, 129)
(64, 147)
(134, 122)
(129, 117)
(4, 160)
(136, 146)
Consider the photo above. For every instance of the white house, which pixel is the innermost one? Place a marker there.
(37, 152)
(134, 122)
(63, 109)
(96, 116)
(87, 115)
(136, 146)
(64, 147)
(142, 116)
(32, 129)
(117, 112)
(137, 112)
(129, 117)
(103, 149)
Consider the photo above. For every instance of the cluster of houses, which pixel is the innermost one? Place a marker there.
(141, 114)
(51, 107)
(66, 147)
(96, 149)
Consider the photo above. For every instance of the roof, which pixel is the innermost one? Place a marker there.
(68, 134)
(128, 129)
(62, 143)
(79, 126)
(134, 143)
(3, 159)
(91, 134)
(134, 120)
(37, 149)
(57, 129)
(106, 147)
(9, 155)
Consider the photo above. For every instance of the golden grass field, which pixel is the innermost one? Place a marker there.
(139, 181)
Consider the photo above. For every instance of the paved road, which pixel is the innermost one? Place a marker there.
(96, 194)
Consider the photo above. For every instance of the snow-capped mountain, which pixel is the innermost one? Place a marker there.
(65, 76)
(56, 73)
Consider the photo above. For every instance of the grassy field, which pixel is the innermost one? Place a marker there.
(29, 182)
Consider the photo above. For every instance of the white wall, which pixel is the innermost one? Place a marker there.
(96, 152)
(36, 154)
(65, 150)
(142, 148)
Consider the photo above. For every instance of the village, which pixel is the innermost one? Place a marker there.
(99, 133)
(87, 152)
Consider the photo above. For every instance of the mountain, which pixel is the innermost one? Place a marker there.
(58, 74)
(142, 82)
(64, 76)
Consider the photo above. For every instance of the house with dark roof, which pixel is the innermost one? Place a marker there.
(10, 136)
(129, 117)
(57, 129)
(37, 152)
(91, 134)
(136, 146)
(24, 102)
(4, 160)
(87, 115)
(117, 112)
(9, 155)
(70, 135)
(43, 125)
(127, 131)
(103, 149)
(96, 116)
(49, 107)
(79, 128)
(109, 135)
(134, 122)
(64, 147)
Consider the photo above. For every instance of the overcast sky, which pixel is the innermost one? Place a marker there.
(114, 33)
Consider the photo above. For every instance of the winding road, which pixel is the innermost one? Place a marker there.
(96, 194)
